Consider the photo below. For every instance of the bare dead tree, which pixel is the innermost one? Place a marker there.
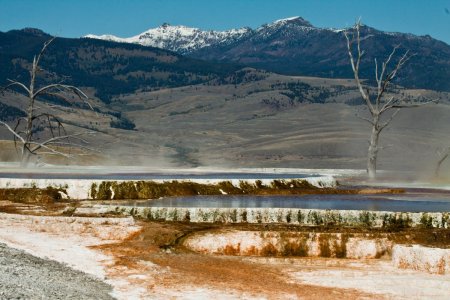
(24, 131)
(382, 109)
(442, 156)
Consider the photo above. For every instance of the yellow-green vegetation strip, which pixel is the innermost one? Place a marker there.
(107, 190)
(31, 195)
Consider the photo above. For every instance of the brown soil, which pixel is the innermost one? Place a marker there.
(39, 209)
(158, 243)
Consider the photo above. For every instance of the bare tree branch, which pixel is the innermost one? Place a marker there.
(385, 64)
(53, 151)
(383, 78)
(387, 105)
(442, 155)
(382, 82)
(36, 60)
(56, 140)
(355, 66)
(55, 95)
(363, 118)
(385, 124)
(12, 131)
(376, 73)
(26, 128)
(414, 105)
(69, 88)
(16, 83)
(78, 146)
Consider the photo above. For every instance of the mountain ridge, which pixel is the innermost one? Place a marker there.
(155, 36)
(293, 46)
(192, 38)
(179, 38)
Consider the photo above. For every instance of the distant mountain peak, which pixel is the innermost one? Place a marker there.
(293, 20)
(184, 40)
(190, 40)
(33, 31)
(179, 38)
(288, 19)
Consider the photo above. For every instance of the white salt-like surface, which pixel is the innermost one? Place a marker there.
(377, 277)
(76, 188)
(68, 240)
(416, 257)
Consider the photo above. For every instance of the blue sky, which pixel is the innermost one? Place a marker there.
(125, 18)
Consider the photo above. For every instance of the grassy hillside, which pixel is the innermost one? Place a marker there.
(284, 121)
(257, 119)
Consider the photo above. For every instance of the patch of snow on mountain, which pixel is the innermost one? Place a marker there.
(286, 20)
(183, 39)
(178, 38)
(106, 37)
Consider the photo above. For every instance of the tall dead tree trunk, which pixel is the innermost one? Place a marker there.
(23, 131)
(442, 156)
(381, 109)
(372, 154)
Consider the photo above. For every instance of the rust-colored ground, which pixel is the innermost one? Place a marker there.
(158, 243)
(155, 251)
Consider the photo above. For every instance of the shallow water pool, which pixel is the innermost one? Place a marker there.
(435, 202)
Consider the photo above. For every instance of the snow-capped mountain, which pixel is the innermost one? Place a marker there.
(294, 46)
(179, 39)
(186, 40)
